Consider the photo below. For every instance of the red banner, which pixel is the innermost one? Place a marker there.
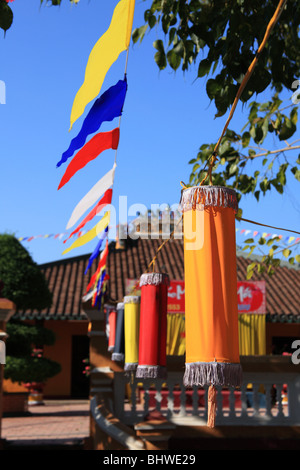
(251, 296)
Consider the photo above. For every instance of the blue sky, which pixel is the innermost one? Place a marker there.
(166, 118)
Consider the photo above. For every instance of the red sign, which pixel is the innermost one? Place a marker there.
(176, 297)
(251, 297)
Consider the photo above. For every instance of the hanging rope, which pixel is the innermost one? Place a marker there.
(251, 68)
(245, 80)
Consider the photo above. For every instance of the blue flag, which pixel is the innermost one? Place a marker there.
(96, 250)
(99, 290)
(105, 108)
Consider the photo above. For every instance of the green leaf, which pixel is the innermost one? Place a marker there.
(286, 252)
(212, 88)
(294, 115)
(296, 172)
(160, 56)
(246, 139)
(139, 33)
(151, 21)
(287, 130)
(6, 16)
(251, 266)
(174, 59)
(249, 274)
(204, 67)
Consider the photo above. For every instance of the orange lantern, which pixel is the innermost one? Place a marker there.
(211, 306)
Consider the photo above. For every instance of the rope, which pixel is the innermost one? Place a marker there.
(264, 225)
(245, 80)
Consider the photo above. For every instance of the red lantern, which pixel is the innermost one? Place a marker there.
(111, 322)
(153, 326)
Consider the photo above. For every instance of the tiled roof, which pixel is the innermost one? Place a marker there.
(67, 281)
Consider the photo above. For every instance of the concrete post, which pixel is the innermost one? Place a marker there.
(7, 309)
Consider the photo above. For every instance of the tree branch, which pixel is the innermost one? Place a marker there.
(272, 152)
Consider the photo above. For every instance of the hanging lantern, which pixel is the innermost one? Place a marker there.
(119, 349)
(153, 326)
(211, 307)
(111, 321)
(131, 330)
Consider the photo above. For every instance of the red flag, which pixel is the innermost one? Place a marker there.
(106, 199)
(99, 143)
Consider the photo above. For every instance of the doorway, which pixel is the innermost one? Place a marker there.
(80, 383)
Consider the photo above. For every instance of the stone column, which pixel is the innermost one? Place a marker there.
(102, 366)
(7, 309)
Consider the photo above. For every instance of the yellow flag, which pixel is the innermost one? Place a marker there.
(105, 52)
(101, 225)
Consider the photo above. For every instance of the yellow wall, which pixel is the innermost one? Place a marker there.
(61, 351)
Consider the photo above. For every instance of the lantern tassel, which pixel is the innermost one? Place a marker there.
(212, 406)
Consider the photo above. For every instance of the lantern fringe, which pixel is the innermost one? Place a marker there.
(110, 348)
(132, 299)
(211, 406)
(154, 279)
(151, 372)
(199, 197)
(213, 373)
(130, 366)
(117, 356)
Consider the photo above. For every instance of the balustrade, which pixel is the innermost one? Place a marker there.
(263, 399)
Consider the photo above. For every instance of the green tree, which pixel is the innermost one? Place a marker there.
(220, 39)
(23, 281)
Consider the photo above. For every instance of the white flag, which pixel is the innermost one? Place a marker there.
(92, 196)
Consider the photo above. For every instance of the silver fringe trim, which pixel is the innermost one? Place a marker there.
(110, 348)
(213, 373)
(120, 306)
(130, 366)
(132, 299)
(154, 279)
(117, 357)
(151, 372)
(199, 197)
(109, 308)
